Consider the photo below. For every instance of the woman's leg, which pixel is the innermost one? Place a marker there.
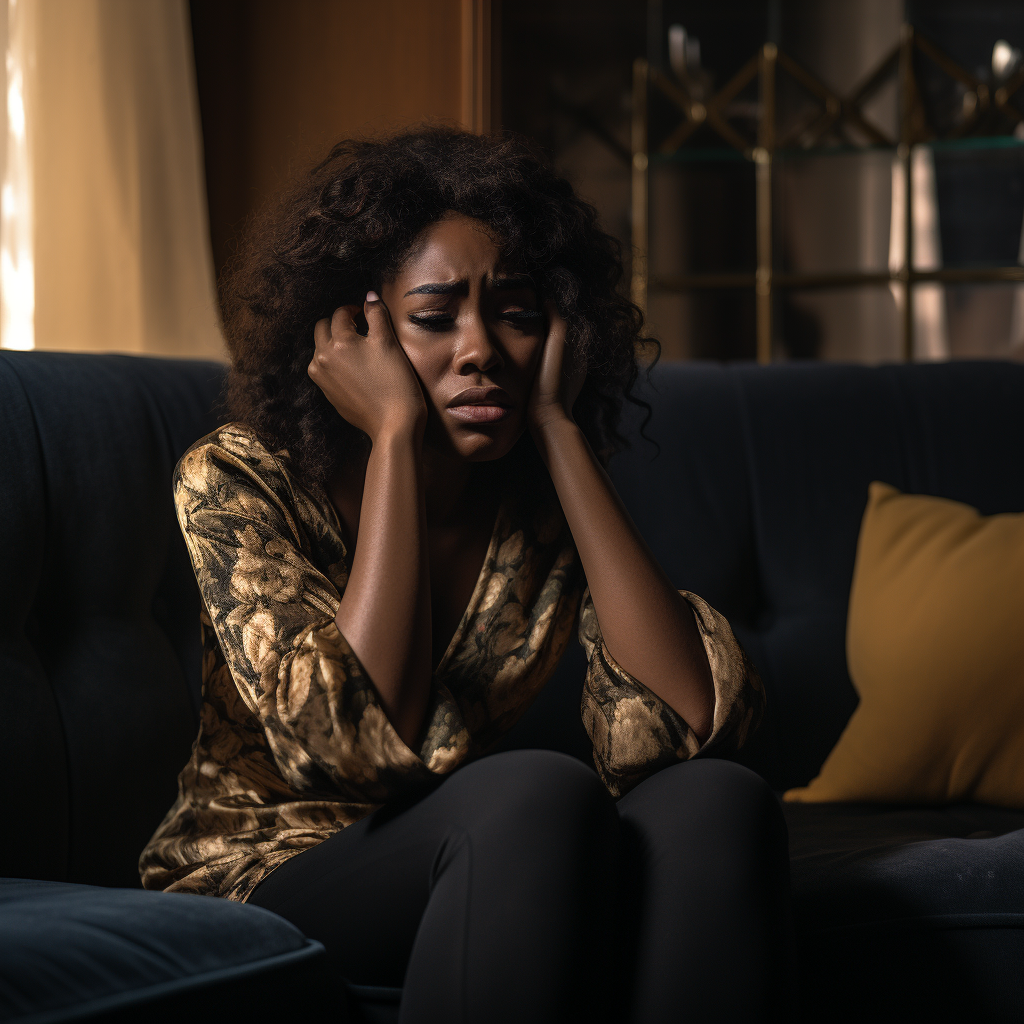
(488, 888)
(706, 848)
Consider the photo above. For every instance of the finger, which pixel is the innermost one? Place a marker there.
(321, 348)
(557, 326)
(378, 319)
(343, 323)
(316, 364)
(322, 332)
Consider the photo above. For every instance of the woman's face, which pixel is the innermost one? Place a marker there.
(473, 333)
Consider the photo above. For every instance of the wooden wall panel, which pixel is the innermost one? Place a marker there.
(279, 83)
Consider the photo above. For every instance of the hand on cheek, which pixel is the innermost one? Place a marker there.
(560, 374)
(369, 380)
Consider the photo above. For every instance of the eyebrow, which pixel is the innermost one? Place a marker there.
(448, 288)
(507, 282)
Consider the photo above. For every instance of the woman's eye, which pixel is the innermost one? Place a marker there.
(525, 318)
(432, 321)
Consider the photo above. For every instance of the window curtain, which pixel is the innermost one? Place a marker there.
(120, 235)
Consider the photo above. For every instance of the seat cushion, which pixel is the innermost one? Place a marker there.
(70, 952)
(907, 913)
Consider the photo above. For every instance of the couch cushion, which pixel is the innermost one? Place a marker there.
(936, 651)
(70, 951)
(856, 864)
(817, 436)
(908, 913)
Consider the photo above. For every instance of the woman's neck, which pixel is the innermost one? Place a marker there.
(446, 479)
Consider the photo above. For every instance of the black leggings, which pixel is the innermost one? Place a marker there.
(518, 890)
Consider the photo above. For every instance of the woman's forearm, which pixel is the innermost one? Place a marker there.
(648, 628)
(385, 609)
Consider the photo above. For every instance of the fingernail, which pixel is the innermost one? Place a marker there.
(372, 297)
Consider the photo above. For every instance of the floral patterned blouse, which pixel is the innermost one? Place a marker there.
(293, 744)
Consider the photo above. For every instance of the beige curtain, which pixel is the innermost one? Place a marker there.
(121, 236)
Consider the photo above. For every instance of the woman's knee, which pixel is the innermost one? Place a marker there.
(537, 786)
(712, 778)
(710, 790)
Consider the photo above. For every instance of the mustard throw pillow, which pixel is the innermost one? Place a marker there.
(935, 646)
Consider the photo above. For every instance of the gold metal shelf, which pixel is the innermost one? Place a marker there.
(834, 110)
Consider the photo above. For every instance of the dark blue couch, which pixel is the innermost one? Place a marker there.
(754, 502)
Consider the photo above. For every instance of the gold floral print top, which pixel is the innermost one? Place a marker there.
(293, 744)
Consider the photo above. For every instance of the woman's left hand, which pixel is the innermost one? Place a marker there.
(560, 375)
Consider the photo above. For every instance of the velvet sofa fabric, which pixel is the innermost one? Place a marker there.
(754, 502)
(757, 500)
(908, 913)
(81, 951)
(99, 635)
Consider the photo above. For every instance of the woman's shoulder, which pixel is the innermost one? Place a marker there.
(231, 480)
(232, 451)
(233, 468)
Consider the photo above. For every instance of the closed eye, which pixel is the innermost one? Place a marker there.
(432, 321)
(524, 318)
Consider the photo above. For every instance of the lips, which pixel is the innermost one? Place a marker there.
(481, 405)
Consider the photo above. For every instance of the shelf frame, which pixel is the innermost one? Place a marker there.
(805, 138)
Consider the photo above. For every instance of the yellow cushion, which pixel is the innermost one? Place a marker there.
(935, 645)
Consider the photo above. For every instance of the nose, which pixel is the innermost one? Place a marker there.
(476, 350)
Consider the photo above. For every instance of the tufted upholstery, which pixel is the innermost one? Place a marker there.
(99, 636)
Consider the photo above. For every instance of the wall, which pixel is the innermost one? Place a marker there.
(279, 83)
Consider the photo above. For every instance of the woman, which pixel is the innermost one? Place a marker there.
(394, 544)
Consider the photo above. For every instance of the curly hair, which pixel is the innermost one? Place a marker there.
(347, 227)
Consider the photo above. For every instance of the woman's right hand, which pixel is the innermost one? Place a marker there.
(369, 381)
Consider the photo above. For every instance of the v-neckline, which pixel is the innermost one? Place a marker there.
(482, 580)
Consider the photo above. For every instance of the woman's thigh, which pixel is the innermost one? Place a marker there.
(361, 892)
(364, 891)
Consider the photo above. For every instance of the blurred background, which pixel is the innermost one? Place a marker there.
(789, 179)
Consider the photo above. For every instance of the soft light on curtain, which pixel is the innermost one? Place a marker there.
(17, 279)
(119, 234)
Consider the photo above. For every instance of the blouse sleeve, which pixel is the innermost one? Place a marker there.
(273, 614)
(635, 733)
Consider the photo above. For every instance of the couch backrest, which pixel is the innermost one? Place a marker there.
(754, 502)
(99, 636)
(756, 499)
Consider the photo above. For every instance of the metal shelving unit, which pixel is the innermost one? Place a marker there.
(805, 138)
